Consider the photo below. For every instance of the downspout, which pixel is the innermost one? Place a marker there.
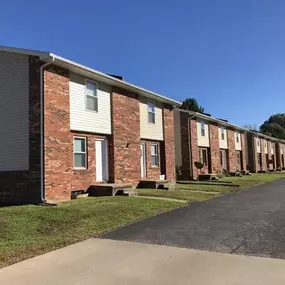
(190, 145)
(42, 125)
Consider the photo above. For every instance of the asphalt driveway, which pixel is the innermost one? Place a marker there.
(250, 222)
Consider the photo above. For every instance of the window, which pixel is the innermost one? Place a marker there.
(79, 151)
(203, 156)
(238, 157)
(257, 142)
(91, 96)
(154, 155)
(151, 112)
(202, 128)
(222, 133)
(237, 135)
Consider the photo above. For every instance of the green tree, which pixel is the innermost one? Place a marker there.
(191, 104)
(274, 126)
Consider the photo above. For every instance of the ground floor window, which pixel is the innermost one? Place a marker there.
(203, 156)
(79, 152)
(154, 154)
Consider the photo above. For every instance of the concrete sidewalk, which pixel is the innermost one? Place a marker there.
(99, 261)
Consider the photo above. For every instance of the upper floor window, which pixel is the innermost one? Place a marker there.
(257, 142)
(237, 137)
(222, 133)
(79, 152)
(151, 112)
(202, 128)
(91, 96)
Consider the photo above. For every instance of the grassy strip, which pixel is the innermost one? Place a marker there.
(27, 231)
(177, 194)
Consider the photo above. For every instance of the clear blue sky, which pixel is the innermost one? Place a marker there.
(228, 54)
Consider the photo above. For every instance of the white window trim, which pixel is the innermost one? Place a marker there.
(85, 139)
(96, 84)
(222, 133)
(157, 157)
(152, 102)
(237, 137)
(202, 124)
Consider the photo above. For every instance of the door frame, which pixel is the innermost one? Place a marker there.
(143, 160)
(104, 142)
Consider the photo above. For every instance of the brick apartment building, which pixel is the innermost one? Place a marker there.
(218, 144)
(65, 126)
(265, 153)
(280, 154)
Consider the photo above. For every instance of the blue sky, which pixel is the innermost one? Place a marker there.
(228, 54)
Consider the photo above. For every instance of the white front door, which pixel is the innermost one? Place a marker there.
(102, 173)
(143, 161)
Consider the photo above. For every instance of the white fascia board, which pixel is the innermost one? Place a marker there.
(112, 80)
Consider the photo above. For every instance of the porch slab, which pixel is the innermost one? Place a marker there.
(153, 184)
(110, 189)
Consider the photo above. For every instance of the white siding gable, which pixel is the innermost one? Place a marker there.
(223, 143)
(149, 130)
(85, 120)
(257, 143)
(265, 146)
(14, 111)
(203, 140)
(237, 141)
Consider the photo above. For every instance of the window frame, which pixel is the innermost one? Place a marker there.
(202, 128)
(86, 95)
(222, 133)
(150, 112)
(85, 141)
(203, 150)
(155, 155)
(237, 137)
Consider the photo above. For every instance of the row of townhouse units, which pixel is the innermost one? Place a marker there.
(65, 127)
(222, 147)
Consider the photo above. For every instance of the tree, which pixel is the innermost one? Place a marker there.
(250, 127)
(191, 104)
(274, 126)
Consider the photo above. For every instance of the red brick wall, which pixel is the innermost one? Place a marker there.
(58, 139)
(215, 149)
(232, 159)
(168, 123)
(185, 168)
(243, 151)
(126, 136)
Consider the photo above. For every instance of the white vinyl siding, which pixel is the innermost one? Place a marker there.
(257, 143)
(237, 141)
(82, 119)
(149, 130)
(14, 111)
(272, 147)
(203, 140)
(265, 146)
(223, 138)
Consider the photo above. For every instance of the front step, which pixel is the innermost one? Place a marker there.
(110, 189)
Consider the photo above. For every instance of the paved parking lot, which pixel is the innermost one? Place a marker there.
(250, 222)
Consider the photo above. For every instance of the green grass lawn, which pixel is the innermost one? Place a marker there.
(27, 231)
(177, 194)
(255, 179)
(196, 192)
